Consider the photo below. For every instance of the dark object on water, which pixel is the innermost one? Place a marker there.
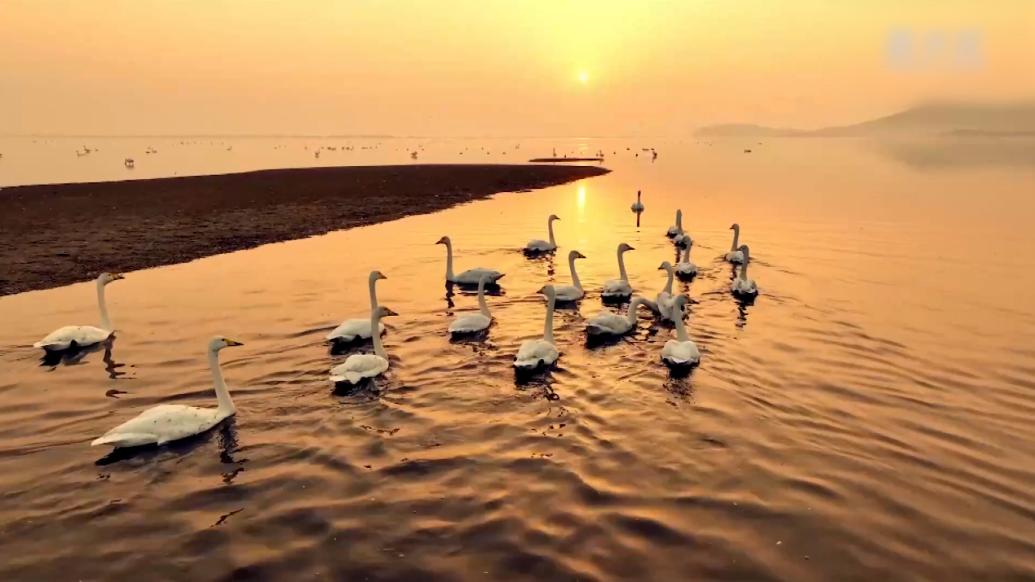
(540, 160)
(747, 151)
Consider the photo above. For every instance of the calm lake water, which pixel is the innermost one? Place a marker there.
(869, 416)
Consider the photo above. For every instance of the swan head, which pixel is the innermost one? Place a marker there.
(383, 311)
(575, 255)
(745, 250)
(625, 247)
(443, 241)
(735, 227)
(219, 342)
(548, 290)
(377, 275)
(105, 278)
(553, 217)
(665, 266)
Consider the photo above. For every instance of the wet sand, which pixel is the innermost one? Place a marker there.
(53, 235)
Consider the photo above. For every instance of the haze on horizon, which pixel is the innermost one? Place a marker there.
(477, 69)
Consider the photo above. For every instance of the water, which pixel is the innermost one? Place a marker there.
(870, 414)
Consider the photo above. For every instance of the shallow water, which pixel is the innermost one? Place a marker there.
(869, 415)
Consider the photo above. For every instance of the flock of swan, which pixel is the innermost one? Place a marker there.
(169, 422)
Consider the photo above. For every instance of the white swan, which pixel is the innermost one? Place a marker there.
(169, 422)
(665, 302)
(78, 336)
(620, 287)
(681, 351)
(682, 239)
(470, 276)
(685, 268)
(742, 285)
(359, 367)
(607, 323)
(574, 291)
(638, 205)
(735, 256)
(473, 322)
(677, 227)
(544, 246)
(351, 329)
(540, 352)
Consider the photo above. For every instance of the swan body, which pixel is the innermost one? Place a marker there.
(638, 205)
(743, 285)
(685, 269)
(573, 292)
(681, 351)
(735, 255)
(359, 367)
(677, 227)
(682, 239)
(540, 352)
(470, 276)
(473, 322)
(619, 287)
(665, 302)
(613, 324)
(544, 246)
(359, 328)
(80, 336)
(171, 422)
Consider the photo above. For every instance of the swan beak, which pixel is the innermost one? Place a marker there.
(630, 248)
(390, 312)
(381, 275)
(231, 343)
(441, 241)
(117, 276)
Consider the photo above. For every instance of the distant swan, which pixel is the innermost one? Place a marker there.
(638, 205)
(613, 324)
(543, 246)
(470, 276)
(676, 228)
(351, 329)
(620, 287)
(681, 351)
(685, 269)
(742, 285)
(735, 256)
(665, 302)
(170, 422)
(78, 336)
(574, 291)
(540, 352)
(473, 322)
(359, 367)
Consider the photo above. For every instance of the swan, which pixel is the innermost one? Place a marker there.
(620, 287)
(540, 352)
(470, 276)
(677, 228)
(474, 322)
(352, 329)
(685, 269)
(543, 246)
(682, 239)
(735, 256)
(665, 301)
(742, 285)
(681, 351)
(358, 367)
(574, 291)
(638, 205)
(78, 336)
(169, 422)
(607, 323)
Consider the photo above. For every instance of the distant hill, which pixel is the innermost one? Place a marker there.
(931, 119)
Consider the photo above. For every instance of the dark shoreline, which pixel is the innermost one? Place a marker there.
(57, 234)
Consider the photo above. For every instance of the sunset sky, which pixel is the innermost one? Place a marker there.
(473, 68)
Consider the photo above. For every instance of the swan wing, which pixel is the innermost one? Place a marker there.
(534, 353)
(357, 367)
(472, 276)
(680, 353)
(617, 288)
(735, 257)
(672, 231)
(744, 286)
(686, 269)
(539, 245)
(350, 329)
(80, 335)
(469, 323)
(161, 424)
(568, 293)
(607, 324)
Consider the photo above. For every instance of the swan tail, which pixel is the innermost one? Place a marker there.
(347, 378)
(124, 439)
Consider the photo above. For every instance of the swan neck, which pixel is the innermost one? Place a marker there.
(375, 334)
(226, 404)
(679, 220)
(668, 284)
(549, 227)
(482, 305)
(548, 330)
(102, 305)
(681, 334)
(449, 261)
(631, 313)
(372, 287)
(736, 239)
(574, 276)
(744, 268)
(621, 267)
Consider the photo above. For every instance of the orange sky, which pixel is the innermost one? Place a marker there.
(494, 68)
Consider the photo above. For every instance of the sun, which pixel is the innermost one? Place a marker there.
(583, 77)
